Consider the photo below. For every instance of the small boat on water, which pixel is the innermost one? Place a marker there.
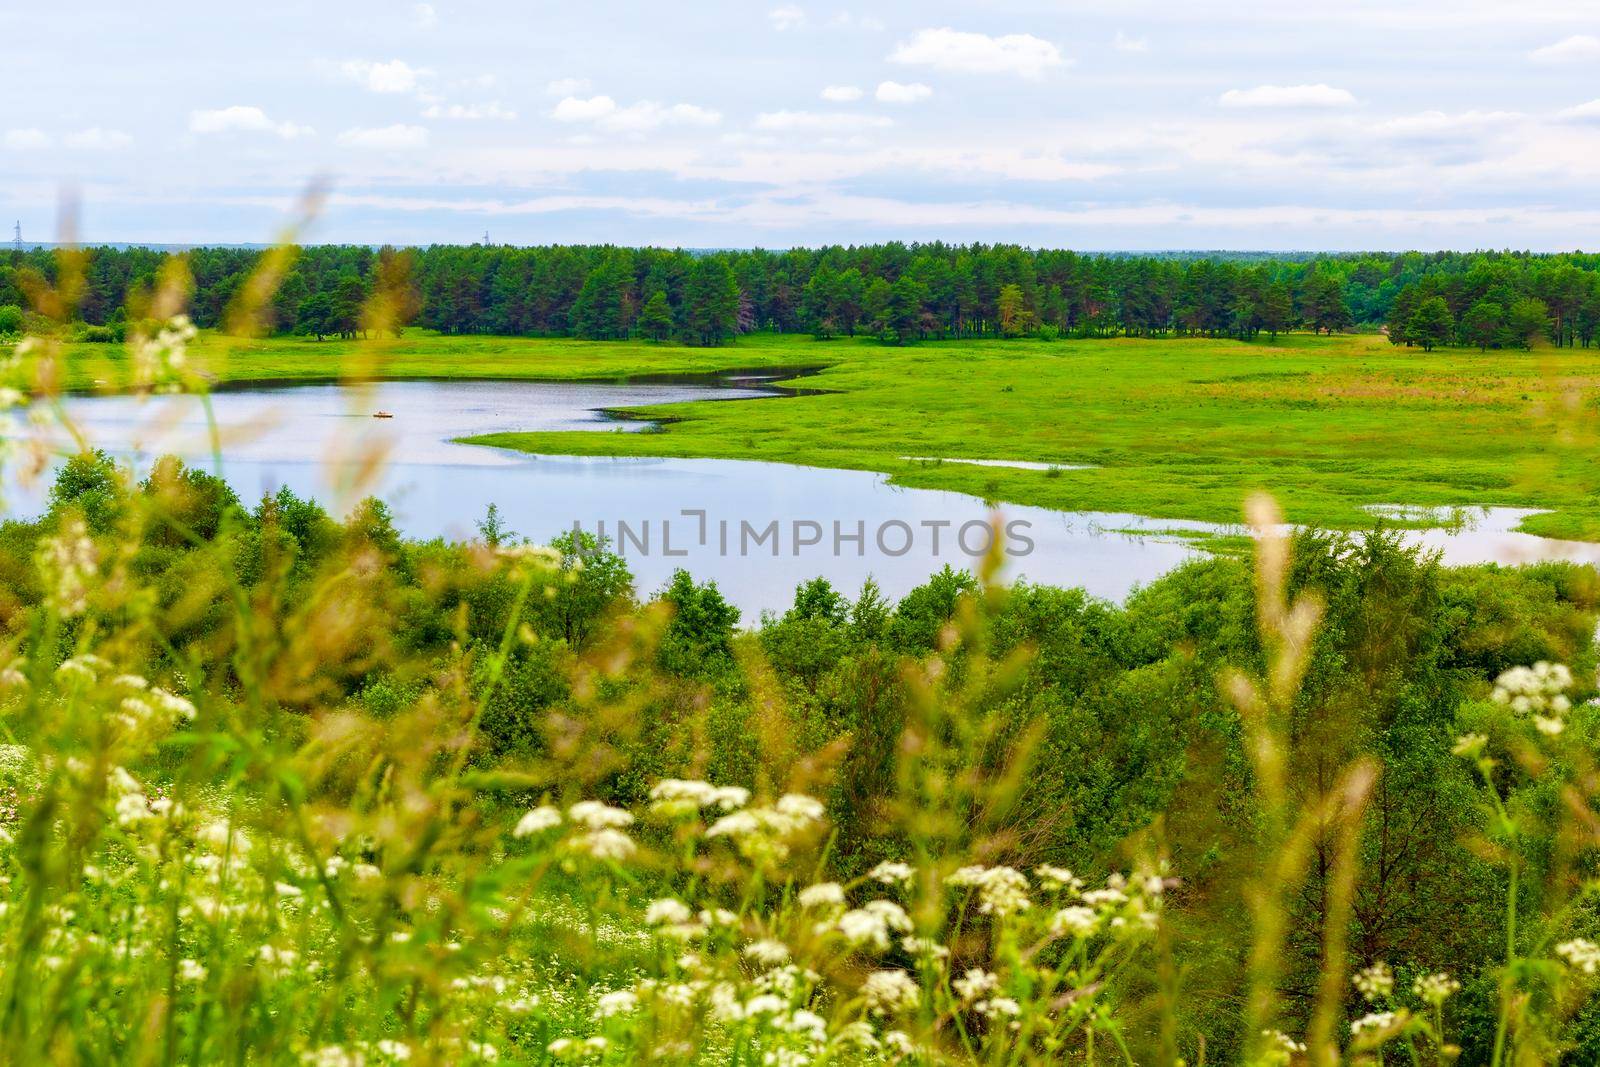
(382, 415)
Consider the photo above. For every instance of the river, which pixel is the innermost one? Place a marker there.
(755, 528)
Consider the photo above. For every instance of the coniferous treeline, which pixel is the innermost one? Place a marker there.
(896, 292)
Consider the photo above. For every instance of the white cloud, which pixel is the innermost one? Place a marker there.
(844, 20)
(95, 139)
(470, 112)
(575, 109)
(648, 114)
(813, 122)
(242, 119)
(567, 87)
(424, 17)
(841, 94)
(1436, 122)
(1266, 96)
(25, 140)
(395, 76)
(1021, 54)
(1589, 112)
(1579, 48)
(635, 118)
(898, 93)
(1123, 43)
(787, 17)
(386, 138)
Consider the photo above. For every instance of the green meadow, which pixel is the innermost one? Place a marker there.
(1170, 428)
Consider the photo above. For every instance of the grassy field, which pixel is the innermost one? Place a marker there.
(1168, 428)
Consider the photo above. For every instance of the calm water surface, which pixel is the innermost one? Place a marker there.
(844, 525)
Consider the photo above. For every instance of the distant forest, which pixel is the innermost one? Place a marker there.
(895, 292)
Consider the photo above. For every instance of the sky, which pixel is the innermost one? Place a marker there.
(1090, 124)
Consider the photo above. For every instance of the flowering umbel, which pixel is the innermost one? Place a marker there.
(68, 564)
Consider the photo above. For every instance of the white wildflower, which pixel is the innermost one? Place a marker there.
(890, 992)
(1374, 1022)
(333, 1056)
(1281, 1048)
(604, 844)
(798, 806)
(159, 361)
(974, 984)
(890, 873)
(521, 1005)
(1075, 920)
(1001, 890)
(617, 1002)
(1581, 954)
(1539, 691)
(1057, 879)
(173, 704)
(821, 895)
(764, 1004)
(739, 824)
(537, 820)
(857, 1034)
(132, 809)
(872, 923)
(1375, 982)
(676, 796)
(995, 1007)
(598, 816)
(667, 910)
(763, 834)
(1435, 988)
(67, 563)
(767, 953)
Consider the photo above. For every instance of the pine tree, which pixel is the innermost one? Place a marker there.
(597, 313)
(655, 318)
(1014, 315)
(1431, 324)
(1527, 320)
(1400, 312)
(711, 303)
(1277, 309)
(1483, 324)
